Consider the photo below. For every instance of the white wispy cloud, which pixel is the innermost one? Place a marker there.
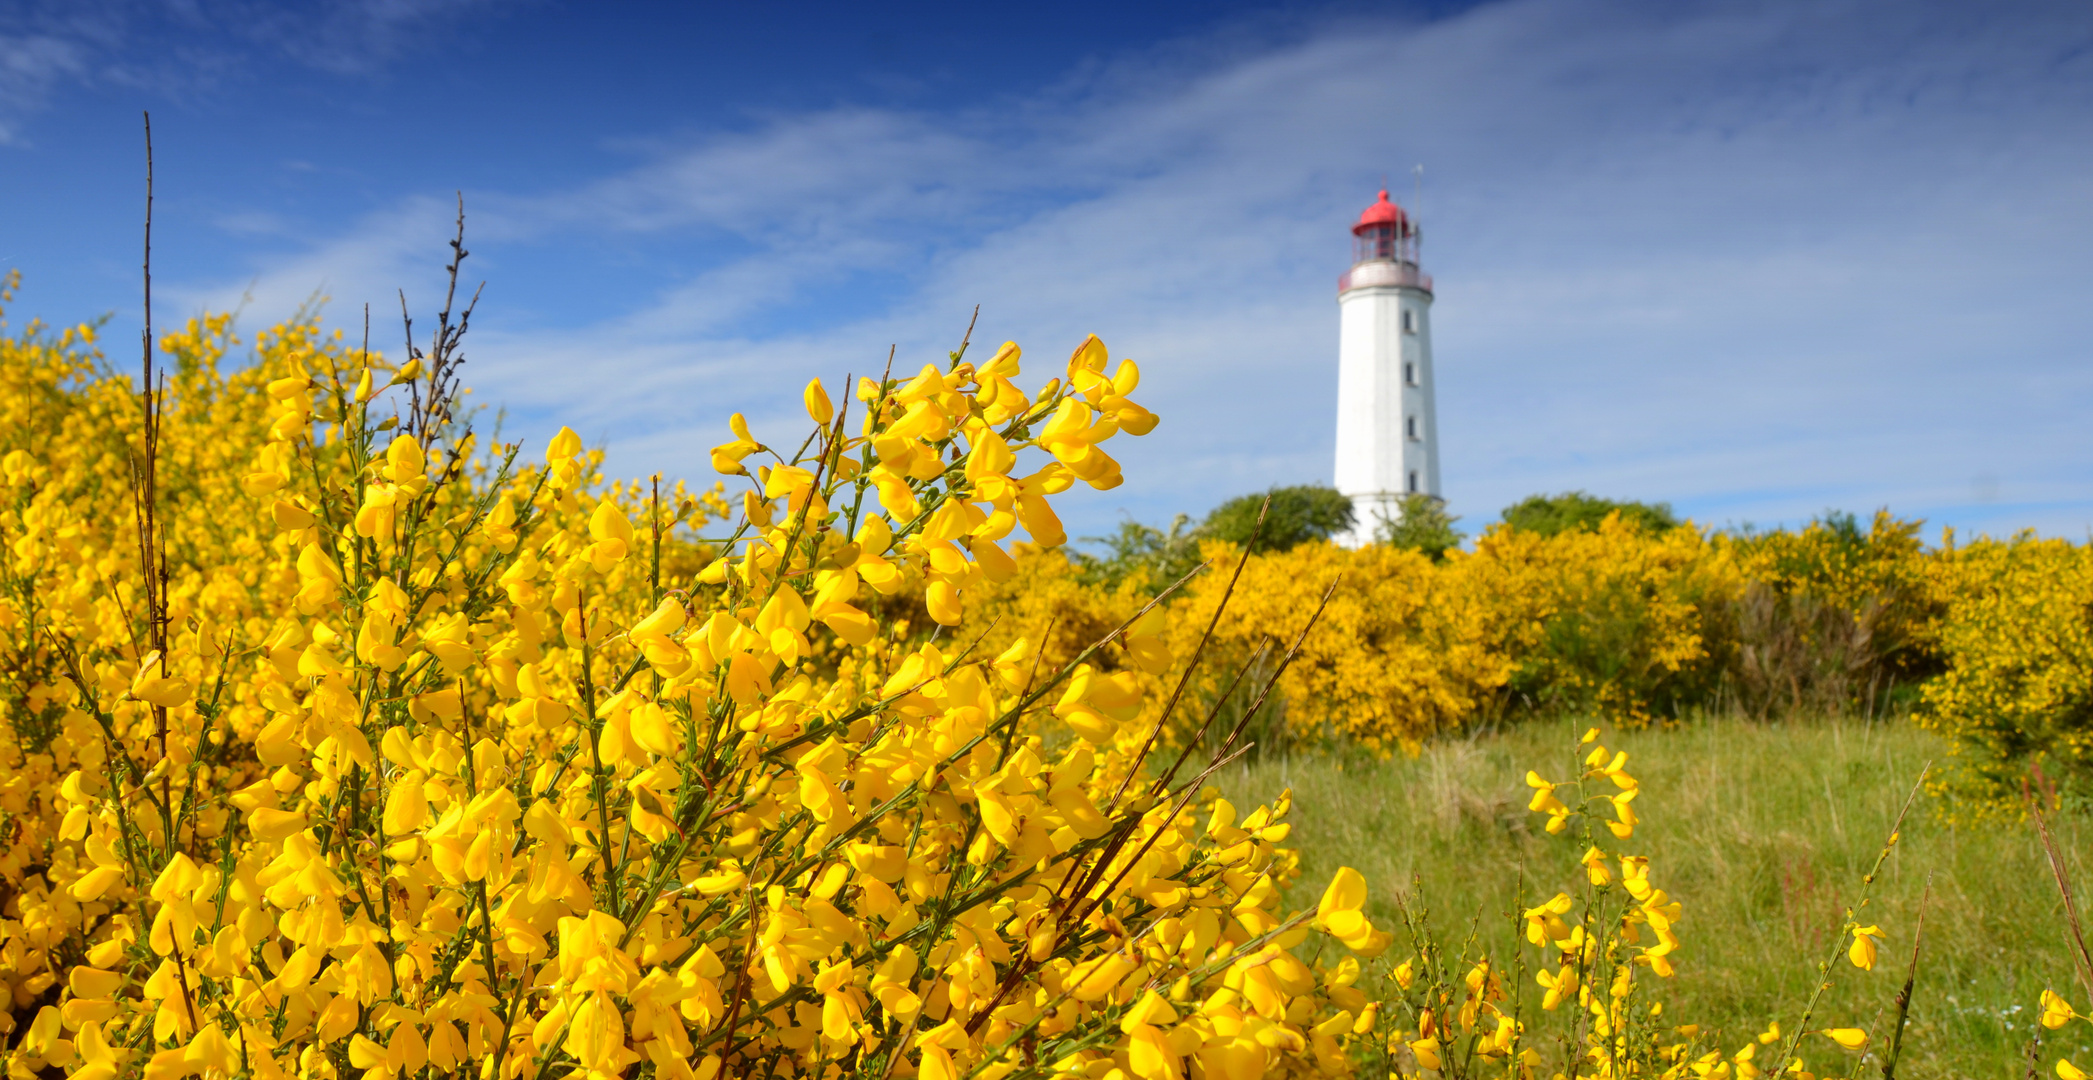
(349, 37)
(31, 66)
(1754, 262)
(182, 48)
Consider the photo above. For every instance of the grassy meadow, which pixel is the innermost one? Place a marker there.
(1763, 832)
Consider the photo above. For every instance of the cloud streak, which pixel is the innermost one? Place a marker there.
(182, 48)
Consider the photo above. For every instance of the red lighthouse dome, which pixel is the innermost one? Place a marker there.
(1382, 213)
(1384, 249)
(1384, 232)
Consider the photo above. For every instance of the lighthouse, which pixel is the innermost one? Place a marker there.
(1387, 431)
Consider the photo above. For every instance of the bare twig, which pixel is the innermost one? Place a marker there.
(1911, 975)
(152, 540)
(1284, 663)
(1257, 657)
(145, 466)
(965, 339)
(1192, 665)
(1809, 1009)
(2081, 959)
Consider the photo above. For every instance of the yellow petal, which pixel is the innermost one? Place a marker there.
(407, 807)
(1347, 892)
(942, 601)
(1850, 1038)
(365, 1054)
(268, 824)
(818, 406)
(95, 882)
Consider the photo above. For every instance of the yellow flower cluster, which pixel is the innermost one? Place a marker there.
(1880, 573)
(1614, 620)
(1397, 654)
(1987, 639)
(2018, 652)
(1404, 648)
(1593, 944)
(413, 760)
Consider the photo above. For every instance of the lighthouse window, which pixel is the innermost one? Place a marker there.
(1410, 427)
(1409, 320)
(1413, 481)
(1410, 374)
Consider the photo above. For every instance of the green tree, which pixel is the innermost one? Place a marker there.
(1424, 526)
(1299, 514)
(1552, 514)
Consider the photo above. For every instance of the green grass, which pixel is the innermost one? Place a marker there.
(1763, 832)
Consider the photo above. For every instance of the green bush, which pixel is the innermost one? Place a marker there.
(1424, 526)
(1299, 514)
(1552, 514)
(1144, 552)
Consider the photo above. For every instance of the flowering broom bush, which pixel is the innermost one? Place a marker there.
(1622, 622)
(2016, 640)
(1405, 648)
(339, 744)
(342, 745)
(1618, 620)
(1397, 652)
(1833, 618)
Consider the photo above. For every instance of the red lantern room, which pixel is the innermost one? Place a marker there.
(1384, 232)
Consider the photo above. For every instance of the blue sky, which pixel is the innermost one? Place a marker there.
(1753, 260)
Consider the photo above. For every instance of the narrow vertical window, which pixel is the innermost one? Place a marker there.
(1409, 320)
(1413, 481)
(1410, 427)
(1409, 373)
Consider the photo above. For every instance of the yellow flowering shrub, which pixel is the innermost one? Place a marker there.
(2016, 641)
(1990, 640)
(1400, 648)
(1395, 651)
(1832, 618)
(340, 745)
(1045, 605)
(1617, 620)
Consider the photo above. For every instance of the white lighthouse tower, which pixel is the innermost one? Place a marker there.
(1387, 434)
